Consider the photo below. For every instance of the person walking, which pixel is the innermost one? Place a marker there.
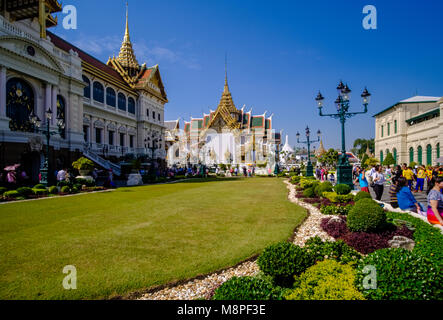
(361, 180)
(435, 202)
(378, 179)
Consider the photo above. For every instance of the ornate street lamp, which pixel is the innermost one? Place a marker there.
(309, 168)
(344, 169)
(35, 120)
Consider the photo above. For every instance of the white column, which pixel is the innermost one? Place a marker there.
(2, 92)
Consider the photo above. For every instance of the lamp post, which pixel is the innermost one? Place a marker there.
(309, 167)
(48, 133)
(344, 169)
(155, 138)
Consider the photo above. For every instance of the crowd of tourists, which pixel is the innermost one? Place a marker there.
(402, 182)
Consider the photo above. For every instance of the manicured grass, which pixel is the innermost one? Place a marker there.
(136, 238)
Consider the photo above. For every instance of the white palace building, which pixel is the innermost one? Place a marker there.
(110, 109)
(411, 130)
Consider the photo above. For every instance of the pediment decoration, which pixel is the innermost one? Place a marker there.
(99, 124)
(122, 129)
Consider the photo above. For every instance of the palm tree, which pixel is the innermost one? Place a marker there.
(360, 146)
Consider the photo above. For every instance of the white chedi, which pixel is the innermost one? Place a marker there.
(286, 152)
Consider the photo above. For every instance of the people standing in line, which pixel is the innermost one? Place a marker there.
(378, 179)
(405, 198)
(421, 175)
(435, 202)
(409, 175)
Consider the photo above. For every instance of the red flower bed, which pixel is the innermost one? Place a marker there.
(363, 242)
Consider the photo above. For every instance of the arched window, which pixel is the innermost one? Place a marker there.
(177, 153)
(110, 97)
(121, 102)
(99, 92)
(395, 155)
(19, 105)
(61, 113)
(131, 105)
(438, 150)
(429, 155)
(381, 156)
(87, 89)
(420, 155)
(411, 154)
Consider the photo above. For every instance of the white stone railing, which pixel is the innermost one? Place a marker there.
(9, 28)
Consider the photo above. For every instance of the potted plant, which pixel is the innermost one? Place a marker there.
(83, 165)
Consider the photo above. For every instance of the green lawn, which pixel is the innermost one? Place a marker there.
(136, 238)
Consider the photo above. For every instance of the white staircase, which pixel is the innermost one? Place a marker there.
(116, 169)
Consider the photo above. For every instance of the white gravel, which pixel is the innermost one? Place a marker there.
(202, 288)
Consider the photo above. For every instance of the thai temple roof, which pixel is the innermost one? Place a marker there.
(126, 56)
(321, 149)
(287, 147)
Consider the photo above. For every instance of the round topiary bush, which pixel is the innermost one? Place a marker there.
(342, 189)
(53, 190)
(40, 192)
(283, 260)
(362, 195)
(246, 288)
(39, 186)
(309, 193)
(3, 190)
(13, 194)
(334, 250)
(400, 275)
(25, 191)
(323, 187)
(327, 280)
(65, 189)
(366, 216)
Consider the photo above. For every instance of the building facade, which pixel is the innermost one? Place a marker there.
(226, 135)
(110, 109)
(411, 130)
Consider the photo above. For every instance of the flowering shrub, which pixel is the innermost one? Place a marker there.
(310, 182)
(337, 198)
(336, 250)
(366, 216)
(309, 193)
(246, 288)
(323, 187)
(401, 275)
(327, 280)
(336, 209)
(283, 260)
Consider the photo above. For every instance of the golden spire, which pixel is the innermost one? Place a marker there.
(321, 149)
(226, 89)
(126, 56)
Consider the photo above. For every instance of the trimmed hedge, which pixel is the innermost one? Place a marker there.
(362, 195)
(53, 190)
(366, 216)
(65, 189)
(3, 190)
(323, 187)
(25, 191)
(40, 192)
(338, 198)
(283, 260)
(401, 275)
(247, 288)
(13, 194)
(342, 189)
(39, 186)
(327, 280)
(336, 209)
(309, 193)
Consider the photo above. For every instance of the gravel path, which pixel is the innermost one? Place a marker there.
(203, 288)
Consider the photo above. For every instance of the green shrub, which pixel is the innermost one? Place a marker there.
(336, 209)
(13, 194)
(62, 184)
(25, 191)
(283, 260)
(40, 192)
(342, 189)
(246, 288)
(306, 183)
(401, 275)
(309, 193)
(65, 189)
(3, 190)
(323, 187)
(428, 239)
(295, 179)
(327, 280)
(83, 164)
(338, 198)
(75, 190)
(53, 190)
(366, 216)
(84, 182)
(39, 186)
(335, 250)
(362, 195)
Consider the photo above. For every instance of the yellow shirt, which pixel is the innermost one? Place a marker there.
(408, 174)
(421, 174)
(429, 173)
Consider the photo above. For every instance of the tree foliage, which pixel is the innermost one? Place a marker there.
(389, 161)
(329, 158)
(360, 146)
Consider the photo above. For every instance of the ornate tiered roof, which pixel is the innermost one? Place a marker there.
(126, 56)
(321, 150)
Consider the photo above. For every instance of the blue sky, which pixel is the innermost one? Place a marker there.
(280, 53)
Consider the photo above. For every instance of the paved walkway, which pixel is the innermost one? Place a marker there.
(419, 196)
